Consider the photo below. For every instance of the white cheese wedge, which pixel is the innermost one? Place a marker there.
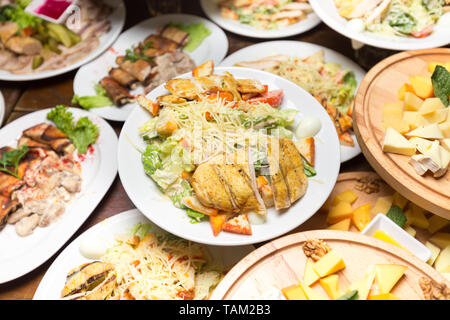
(434, 153)
(421, 144)
(445, 160)
(396, 143)
(415, 162)
(446, 144)
(431, 131)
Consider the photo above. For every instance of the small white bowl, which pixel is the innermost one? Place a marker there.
(383, 223)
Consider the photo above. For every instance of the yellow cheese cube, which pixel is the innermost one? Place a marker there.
(411, 230)
(441, 239)
(436, 223)
(384, 296)
(310, 293)
(330, 263)
(392, 111)
(380, 234)
(396, 143)
(331, 286)
(399, 125)
(430, 105)
(342, 210)
(382, 205)
(293, 292)
(412, 102)
(434, 252)
(343, 225)
(387, 276)
(422, 86)
(310, 276)
(445, 129)
(399, 200)
(361, 216)
(404, 88)
(418, 217)
(410, 117)
(442, 263)
(347, 196)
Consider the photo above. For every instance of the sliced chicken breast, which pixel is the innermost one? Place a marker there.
(291, 165)
(279, 187)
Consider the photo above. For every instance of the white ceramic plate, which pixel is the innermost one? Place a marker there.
(214, 47)
(148, 199)
(117, 19)
(21, 255)
(301, 50)
(53, 282)
(212, 10)
(327, 11)
(2, 108)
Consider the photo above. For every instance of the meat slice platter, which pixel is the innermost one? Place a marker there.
(20, 255)
(380, 86)
(214, 47)
(281, 263)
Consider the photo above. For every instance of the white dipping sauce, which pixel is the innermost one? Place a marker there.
(356, 25)
(94, 247)
(309, 126)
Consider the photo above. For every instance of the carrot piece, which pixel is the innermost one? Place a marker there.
(261, 181)
(217, 222)
(221, 95)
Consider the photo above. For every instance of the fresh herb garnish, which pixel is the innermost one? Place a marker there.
(441, 84)
(352, 295)
(133, 55)
(83, 133)
(12, 159)
(396, 214)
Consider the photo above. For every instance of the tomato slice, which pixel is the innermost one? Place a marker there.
(273, 98)
(422, 33)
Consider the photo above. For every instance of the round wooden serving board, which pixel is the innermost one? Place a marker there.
(349, 181)
(281, 263)
(380, 86)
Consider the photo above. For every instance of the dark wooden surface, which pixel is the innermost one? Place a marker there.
(22, 98)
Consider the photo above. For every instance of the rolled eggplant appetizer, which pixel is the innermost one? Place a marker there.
(124, 78)
(175, 34)
(116, 92)
(139, 69)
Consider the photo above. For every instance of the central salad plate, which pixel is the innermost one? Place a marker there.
(148, 198)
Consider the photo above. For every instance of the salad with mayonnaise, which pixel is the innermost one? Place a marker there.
(406, 18)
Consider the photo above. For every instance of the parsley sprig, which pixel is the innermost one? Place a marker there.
(12, 159)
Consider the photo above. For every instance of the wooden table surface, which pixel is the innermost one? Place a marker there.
(22, 98)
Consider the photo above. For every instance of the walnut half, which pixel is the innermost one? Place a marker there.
(433, 290)
(315, 249)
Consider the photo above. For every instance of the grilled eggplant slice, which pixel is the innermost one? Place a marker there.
(90, 281)
(50, 135)
(116, 92)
